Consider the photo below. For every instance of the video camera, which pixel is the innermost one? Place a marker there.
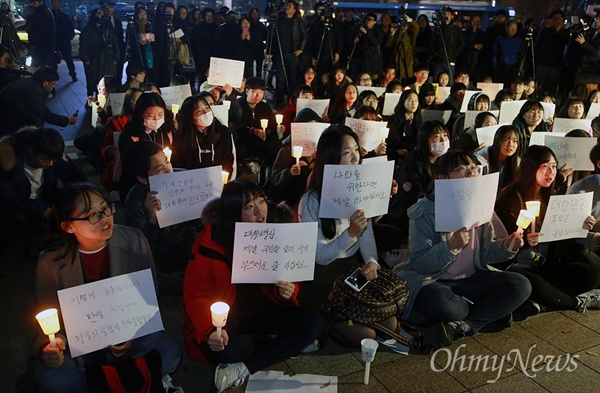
(579, 28)
(326, 13)
(440, 15)
(274, 7)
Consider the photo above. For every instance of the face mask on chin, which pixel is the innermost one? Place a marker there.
(439, 148)
(153, 125)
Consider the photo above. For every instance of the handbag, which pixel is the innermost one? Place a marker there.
(380, 299)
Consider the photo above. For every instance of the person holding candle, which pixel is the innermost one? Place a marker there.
(90, 247)
(450, 274)
(202, 141)
(503, 156)
(341, 243)
(289, 112)
(404, 126)
(265, 324)
(564, 275)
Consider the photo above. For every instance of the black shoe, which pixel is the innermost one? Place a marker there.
(73, 78)
(442, 334)
(528, 309)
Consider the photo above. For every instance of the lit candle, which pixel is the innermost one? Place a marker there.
(384, 133)
(297, 153)
(219, 311)
(175, 109)
(48, 320)
(168, 152)
(523, 221)
(264, 123)
(279, 119)
(534, 208)
(225, 176)
(101, 99)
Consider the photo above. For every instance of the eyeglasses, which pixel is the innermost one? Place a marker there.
(466, 171)
(95, 218)
(365, 79)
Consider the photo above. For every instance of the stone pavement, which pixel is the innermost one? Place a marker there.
(556, 352)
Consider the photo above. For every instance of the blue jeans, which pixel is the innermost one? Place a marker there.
(70, 376)
(484, 297)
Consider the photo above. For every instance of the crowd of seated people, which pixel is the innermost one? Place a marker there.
(465, 282)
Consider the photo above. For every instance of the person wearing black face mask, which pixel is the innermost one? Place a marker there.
(202, 141)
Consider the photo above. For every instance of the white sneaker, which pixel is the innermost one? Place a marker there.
(312, 347)
(229, 375)
(167, 383)
(591, 300)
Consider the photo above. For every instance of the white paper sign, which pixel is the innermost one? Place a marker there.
(116, 137)
(467, 202)
(184, 194)
(368, 132)
(178, 33)
(226, 72)
(221, 112)
(389, 103)
(375, 89)
(431, 114)
(565, 217)
(574, 152)
(471, 115)
(443, 92)
(276, 382)
(175, 94)
(486, 135)
(549, 110)
(568, 125)
(319, 106)
(594, 111)
(509, 110)
(307, 135)
(109, 311)
(539, 137)
(374, 160)
(267, 253)
(347, 188)
(116, 102)
(490, 89)
(468, 95)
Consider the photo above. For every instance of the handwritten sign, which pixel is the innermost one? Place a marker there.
(549, 110)
(490, 89)
(267, 253)
(443, 92)
(390, 101)
(565, 217)
(509, 110)
(574, 152)
(184, 194)
(467, 202)
(468, 95)
(431, 114)
(307, 135)
(347, 188)
(226, 72)
(568, 125)
(319, 106)
(221, 112)
(594, 111)
(368, 132)
(175, 94)
(377, 90)
(539, 137)
(110, 311)
(486, 135)
(116, 102)
(471, 115)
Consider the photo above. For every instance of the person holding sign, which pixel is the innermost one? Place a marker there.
(341, 242)
(90, 247)
(450, 275)
(467, 140)
(202, 140)
(246, 344)
(530, 119)
(503, 156)
(563, 274)
(344, 105)
(404, 126)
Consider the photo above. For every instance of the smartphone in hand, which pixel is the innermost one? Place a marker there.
(356, 280)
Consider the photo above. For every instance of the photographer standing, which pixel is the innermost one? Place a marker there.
(325, 39)
(590, 45)
(367, 56)
(549, 53)
(62, 38)
(446, 44)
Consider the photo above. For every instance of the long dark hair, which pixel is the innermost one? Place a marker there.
(338, 108)
(147, 100)
(533, 157)
(229, 210)
(329, 152)
(187, 132)
(511, 165)
(400, 109)
(127, 109)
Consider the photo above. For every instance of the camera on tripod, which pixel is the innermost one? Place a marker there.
(326, 13)
(529, 30)
(273, 8)
(440, 15)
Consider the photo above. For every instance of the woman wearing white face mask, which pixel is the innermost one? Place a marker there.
(416, 172)
(201, 140)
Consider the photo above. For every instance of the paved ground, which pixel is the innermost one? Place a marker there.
(559, 352)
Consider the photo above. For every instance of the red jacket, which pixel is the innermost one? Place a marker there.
(208, 280)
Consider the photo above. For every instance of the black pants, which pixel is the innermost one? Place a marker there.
(65, 52)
